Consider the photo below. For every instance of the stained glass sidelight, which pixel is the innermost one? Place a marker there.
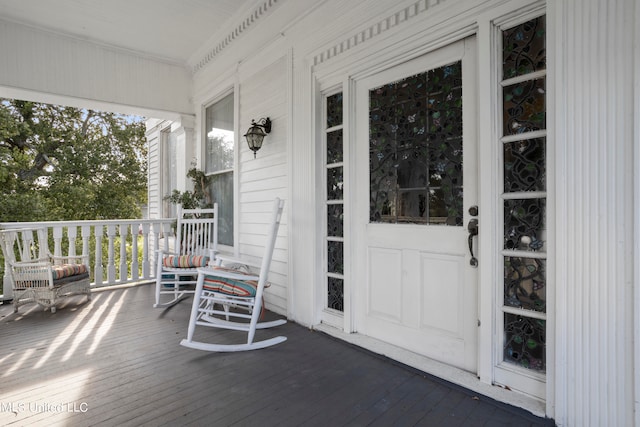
(335, 257)
(334, 168)
(524, 170)
(524, 49)
(334, 146)
(525, 283)
(335, 220)
(415, 148)
(524, 107)
(525, 165)
(524, 222)
(335, 183)
(335, 293)
(525, 341)
(334, 110)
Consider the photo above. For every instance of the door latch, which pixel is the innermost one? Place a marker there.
(472, 227)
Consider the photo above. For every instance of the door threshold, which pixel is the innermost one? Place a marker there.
(438, 369)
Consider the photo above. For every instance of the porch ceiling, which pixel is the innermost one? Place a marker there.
(172, 30)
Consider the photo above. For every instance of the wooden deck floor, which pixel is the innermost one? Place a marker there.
(116, 361)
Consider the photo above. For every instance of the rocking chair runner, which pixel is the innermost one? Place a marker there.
(232, 288)
(36, 275)
(195, 244)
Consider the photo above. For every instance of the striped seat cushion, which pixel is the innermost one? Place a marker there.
(223, 285)
(185, 261)
(68, 270)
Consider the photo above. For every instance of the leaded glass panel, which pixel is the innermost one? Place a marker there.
(525, 283)
(334, 110)
(524, 170)
(334, 147)
(415, 143)
(335, 257)
(335, 220)
(524, 49)
(525, 341)
(445, 206)
(525, 165)
(335, 183)
(335, 293)
(412, 166)
(334, 150)
(524, 224)
(414, 205)
(524, 107)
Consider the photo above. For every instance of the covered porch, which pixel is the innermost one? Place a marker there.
(116, 361)
(441, 299)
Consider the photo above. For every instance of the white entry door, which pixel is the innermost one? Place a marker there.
(416, 182)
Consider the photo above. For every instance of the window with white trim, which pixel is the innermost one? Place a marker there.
(219, 162)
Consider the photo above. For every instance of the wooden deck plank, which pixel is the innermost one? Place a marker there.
(117, 361)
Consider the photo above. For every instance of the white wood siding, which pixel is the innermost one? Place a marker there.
(260, 180)
(48, 63)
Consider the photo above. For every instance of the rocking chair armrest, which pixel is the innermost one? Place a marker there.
(207, 271)
(163, 252)
(213, 256)
(229, 259)
(40, 262)
(29, 272)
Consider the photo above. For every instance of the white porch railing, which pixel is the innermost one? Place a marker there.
(130, 245)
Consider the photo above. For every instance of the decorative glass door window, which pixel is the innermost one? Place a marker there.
(415, 154)
(524, 252)
(334, 177)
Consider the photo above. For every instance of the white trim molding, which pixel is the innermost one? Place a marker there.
(236, 32)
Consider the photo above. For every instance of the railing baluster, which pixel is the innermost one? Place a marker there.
(146, 272)
(157, 231)
(111, 264)
(135, 274)
(72, 233)
(123, 253)
(86, 235)
(57, 241)
(98, 273)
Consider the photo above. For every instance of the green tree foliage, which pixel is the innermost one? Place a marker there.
(64, 163)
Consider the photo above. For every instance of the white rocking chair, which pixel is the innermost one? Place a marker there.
(234, 289)
(196, 243)
(37, 276)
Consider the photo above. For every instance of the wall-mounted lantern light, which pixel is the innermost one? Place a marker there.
(256, 134)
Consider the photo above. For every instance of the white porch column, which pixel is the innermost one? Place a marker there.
(302, 184)
(591, 140)
(185, 149)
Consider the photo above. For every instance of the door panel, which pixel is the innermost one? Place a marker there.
(416, 177)
(437, 269)
(387, 267)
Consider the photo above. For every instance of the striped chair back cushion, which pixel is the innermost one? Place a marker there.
(185, 261)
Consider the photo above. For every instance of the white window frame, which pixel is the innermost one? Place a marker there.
(231, 249)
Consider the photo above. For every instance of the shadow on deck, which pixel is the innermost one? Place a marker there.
(116, 361)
